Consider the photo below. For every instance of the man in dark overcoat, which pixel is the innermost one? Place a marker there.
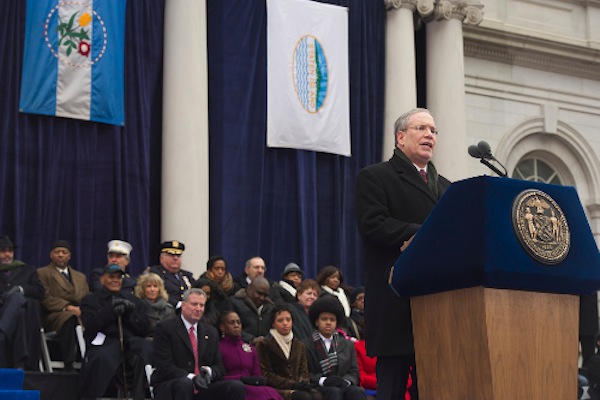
(116, 327)
(20, 310)
(65, 288)
(181, 374)
(392, 200)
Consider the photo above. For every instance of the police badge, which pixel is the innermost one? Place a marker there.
(541, 226)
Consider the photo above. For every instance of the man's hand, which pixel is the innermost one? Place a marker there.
(202, 380)
(405, 244)
(14, 289)
(335, 381)
(122, 306)
(74, 309)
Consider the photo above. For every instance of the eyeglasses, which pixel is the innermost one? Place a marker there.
(422, 128)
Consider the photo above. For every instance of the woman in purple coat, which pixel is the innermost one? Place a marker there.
(240, 359)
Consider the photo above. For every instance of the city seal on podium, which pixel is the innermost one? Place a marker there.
(541, 226)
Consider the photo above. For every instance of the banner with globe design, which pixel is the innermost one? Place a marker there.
(73, 60)
(308, 101)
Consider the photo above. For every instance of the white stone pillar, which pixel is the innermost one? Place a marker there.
(184, 210)
(446, 82)
(400, 69)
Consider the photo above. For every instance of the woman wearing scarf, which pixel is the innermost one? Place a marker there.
(330, 278)
(331, 358)
(240, 359)
(151, 289)
(283, 359)
(216, 271)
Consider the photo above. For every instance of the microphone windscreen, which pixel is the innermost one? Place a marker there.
(484, 149)
(474, 151)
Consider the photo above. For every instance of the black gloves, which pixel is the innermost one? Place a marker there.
(336, 381)
(202, 380)
(302, 385)
(253, 380)
(122, 306)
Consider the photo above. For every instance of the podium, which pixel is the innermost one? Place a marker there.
(494, 275)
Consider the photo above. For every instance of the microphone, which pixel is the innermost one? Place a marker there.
(483, 152)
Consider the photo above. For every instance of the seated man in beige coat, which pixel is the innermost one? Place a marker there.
(65, 287)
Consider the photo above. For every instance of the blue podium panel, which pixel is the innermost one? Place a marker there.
(468, 240)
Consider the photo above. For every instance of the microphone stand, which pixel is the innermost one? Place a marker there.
(493, 167)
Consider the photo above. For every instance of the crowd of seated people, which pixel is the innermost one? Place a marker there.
(259, 326)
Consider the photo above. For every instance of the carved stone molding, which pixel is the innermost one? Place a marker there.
(527, 51)
(468, 11)
(397, 4)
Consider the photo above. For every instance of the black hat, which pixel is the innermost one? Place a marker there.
(292, 267)
(61, 243)
(326, 303)
(172, 247)
(355, 293)
(6, 242)
(111, 269)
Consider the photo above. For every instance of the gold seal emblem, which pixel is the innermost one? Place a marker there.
(541, 226)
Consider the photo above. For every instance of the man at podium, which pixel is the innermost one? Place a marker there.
(393, 199)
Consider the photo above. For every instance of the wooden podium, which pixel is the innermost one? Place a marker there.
(491, 321)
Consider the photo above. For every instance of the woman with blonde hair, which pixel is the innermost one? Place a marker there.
(151, 289)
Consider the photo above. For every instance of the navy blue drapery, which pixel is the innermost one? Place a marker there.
(76, 180)
(89, 183)
(286, 205)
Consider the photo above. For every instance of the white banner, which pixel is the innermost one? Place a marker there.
(308, 96)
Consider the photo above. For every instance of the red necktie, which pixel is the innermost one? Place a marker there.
(194, 349)
(423, 174)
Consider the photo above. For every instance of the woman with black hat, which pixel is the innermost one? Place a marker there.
(331, 358)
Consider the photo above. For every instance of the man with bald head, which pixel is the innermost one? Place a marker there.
(254, 307)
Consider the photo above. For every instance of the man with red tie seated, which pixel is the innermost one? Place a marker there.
(187, 359)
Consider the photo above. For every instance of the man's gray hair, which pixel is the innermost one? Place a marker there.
(189, 292)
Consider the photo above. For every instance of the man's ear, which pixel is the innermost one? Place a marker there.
(399, 136)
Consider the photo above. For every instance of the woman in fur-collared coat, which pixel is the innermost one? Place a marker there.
(283, 359)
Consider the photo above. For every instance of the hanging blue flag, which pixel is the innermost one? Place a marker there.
(73, 60)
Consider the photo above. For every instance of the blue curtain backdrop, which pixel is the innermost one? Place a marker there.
(286, 205)
(76, 180)
(89, 183)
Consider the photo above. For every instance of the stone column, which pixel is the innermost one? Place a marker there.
(400, 70)
(184, 210)
(446, 80)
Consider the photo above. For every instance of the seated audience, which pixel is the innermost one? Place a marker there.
(357, 316)
(187, 359)
(118, 253)
(64, 287)
(176, 280)
(284, 291)
(151, 289)
(331, 359)
(330, 279)
(240, 359)
(211, 313)
(20, 311)
(283, 359)
(216, 271)
(254, 307)
(115, 329)
(306, 293)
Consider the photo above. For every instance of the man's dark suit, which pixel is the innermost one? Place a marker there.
(392, 201)
(173, 360)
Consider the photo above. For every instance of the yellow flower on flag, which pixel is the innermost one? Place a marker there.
(85, 19)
